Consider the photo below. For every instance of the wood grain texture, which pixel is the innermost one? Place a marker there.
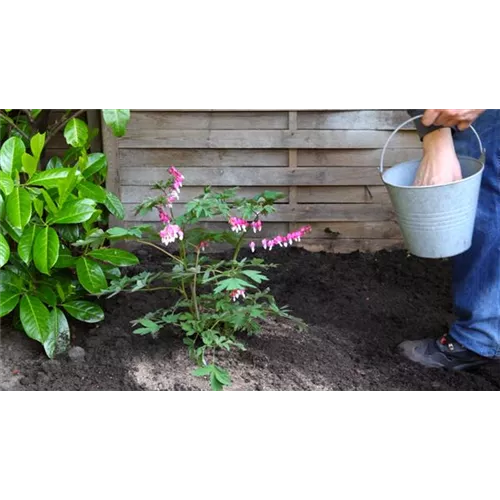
(324, 161)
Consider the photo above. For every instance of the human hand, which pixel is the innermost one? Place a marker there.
(439, 164)
(460, 118)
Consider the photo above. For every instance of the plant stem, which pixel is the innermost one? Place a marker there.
(238, 246)
(160, 249)
(12, 123)
(193, 287)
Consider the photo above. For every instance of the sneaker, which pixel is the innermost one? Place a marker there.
(442, 353)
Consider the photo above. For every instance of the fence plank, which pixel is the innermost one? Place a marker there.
(354, 245)
(342, 194)
(354, 230)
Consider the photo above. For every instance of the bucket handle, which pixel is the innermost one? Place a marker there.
(406, 123)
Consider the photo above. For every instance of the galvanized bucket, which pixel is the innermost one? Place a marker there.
(436, 221)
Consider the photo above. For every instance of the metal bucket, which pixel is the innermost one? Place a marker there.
(436, 221)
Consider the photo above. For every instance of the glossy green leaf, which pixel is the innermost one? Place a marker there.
(65, 259)
(4, 250)
(67, 186)
(38, 205)
(89, 190)
(76, 133)
(11, 154)
(116, 120)
(25, 246)
(54, 162)
(46, 294)
(59, 338)
(49, 178)
(8, 301)
(34, 318)
(90, 275)
(2, 207)
(29, 163)
(37, 144)
(14, 233)
(115, 256)
(95, 163)
(6, 183)
(114, 205)
(74, 212)
(49, 203)
(45, 249)
(19, 208)
(84, 311)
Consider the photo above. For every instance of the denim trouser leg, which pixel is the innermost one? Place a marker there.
(476, 273)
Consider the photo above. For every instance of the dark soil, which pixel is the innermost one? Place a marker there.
(358, 308)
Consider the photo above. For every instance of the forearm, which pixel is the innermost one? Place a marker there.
(422, 130)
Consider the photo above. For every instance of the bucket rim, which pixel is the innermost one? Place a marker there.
(478, 173)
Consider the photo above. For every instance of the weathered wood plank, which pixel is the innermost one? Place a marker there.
(355, 157)
(361, 119)
(309, 213)
(269, 229)
(113, 178)
(354, 230)
(258, 176)
(217, 120)
(136, 194)
(203, 158)
(263, 139)
(342, 194)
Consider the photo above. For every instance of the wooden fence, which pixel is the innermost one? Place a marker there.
(325, 162)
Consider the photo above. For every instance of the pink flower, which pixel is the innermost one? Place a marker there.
(285, 241)
(164, 217)
(235, 294)
(238, 224)
(203, 245)
(170, 233)
(257, 226)
(252, 246)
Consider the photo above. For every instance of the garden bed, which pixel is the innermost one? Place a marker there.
(358, 308)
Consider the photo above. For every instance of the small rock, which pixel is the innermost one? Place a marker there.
(77, 354)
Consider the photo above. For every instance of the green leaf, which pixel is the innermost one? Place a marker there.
(58, 340)
(150, 327)
(49, 203)
(230, 284)
(8, 301)
(90, 275)
(89, 190)
(117, 120)
(14, 233)
(47, 295)
(115, 256)
(10, 281)
(65, 259)
(114, 205)
(203, 371)
(19, 208)
(6, 183)
(54, 162)
(67, 186)
(214, 382)
(222, 376)
(46, 249)
(84, 311)
(4, 251)
(255, 276)
(38, 205)
(30, 164)
(37, 143)
(49, 178)
(24, 248)
(11, 154)
(2, 207)
(76, 133)
(34, 318)
(95, 162)
(74, 212)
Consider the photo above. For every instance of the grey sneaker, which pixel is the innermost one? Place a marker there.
(442, 353)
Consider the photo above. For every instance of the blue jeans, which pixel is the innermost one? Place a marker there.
(476, 273)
